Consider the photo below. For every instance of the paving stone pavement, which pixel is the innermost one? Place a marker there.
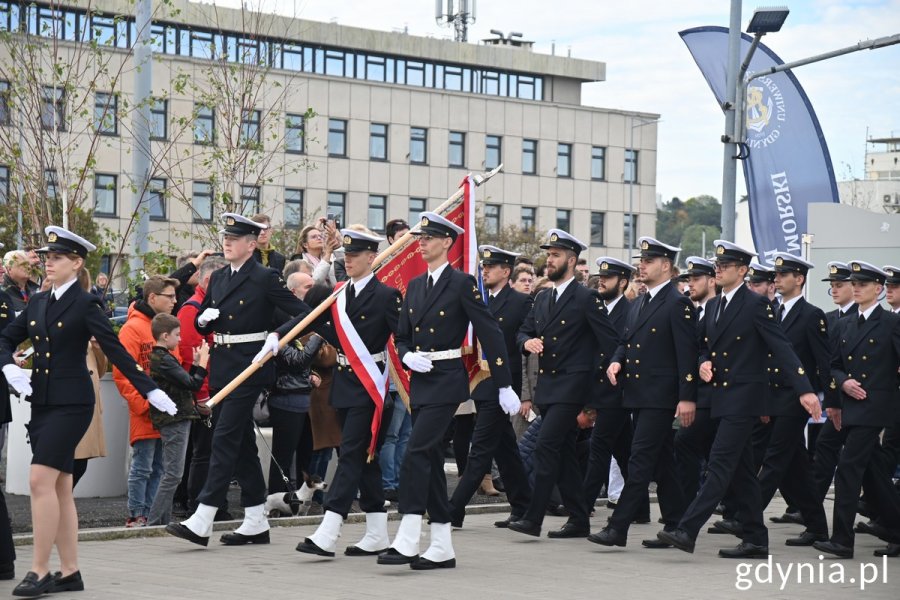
(491, 564)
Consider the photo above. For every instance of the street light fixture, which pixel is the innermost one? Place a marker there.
(768, 19)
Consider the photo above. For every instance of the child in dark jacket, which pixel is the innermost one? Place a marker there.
(169, 375)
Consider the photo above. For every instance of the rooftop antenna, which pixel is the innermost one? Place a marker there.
(458, 15)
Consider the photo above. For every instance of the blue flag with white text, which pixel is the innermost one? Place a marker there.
(789, 166)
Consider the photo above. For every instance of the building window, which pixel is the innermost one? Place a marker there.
(418, 145)
(106, 110)
(250, 128)
(105, 195)
(294, 133)
(202, 201)
(630, 222)
(598, 163)
(337, 137)
(336, 206)
(492, 218)
(5, 104)
(249, 200)
(563, 219)
(529, 218)
(50, 183)
(457, 150)
(53, 108)
(378, 141)
(159, 124)
(204, 125)
(377, 213)
(416, 208)
(597, 228)
(4, 185)
(631, 166)
(529, 157)
(156, 199)
(564, 160)
(492, 154)
(293, 208)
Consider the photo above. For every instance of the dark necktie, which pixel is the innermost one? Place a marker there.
(490, 299)
(700, 312)
(52, 298)
(553, 297)
(843, 313)
(645, 301)
(429, 284)
(351, 294)
(861, 321)
(231, 274)
(722, 304)
(781, 312)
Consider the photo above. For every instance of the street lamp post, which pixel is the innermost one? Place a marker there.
(631, 180)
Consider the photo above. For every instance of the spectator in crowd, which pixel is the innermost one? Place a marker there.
(582, 271)
(522, 278)
(201, 431)
(297, 266)
(186, 275)
(137, 338)
(299, 283)
(179, 384)
(37, 265)
(317, 245)
(17, 281)
(396, 433)
(265, 254)
(103, 290)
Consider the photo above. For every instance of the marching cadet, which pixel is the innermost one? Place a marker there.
(738, 333)
(761, 279)
(692, 444)
(493, 437)
(786, 461)
(656, 362)
(359, 325)
(434, 318)
(612, 432)
(237, 310)
(59, 323)
(864, 369)
(892, 288)
(570, 331)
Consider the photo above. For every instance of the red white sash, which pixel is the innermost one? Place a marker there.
(374, 381)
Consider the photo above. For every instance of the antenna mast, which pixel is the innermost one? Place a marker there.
(458, 15)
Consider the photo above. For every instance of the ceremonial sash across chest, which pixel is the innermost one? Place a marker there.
(374, 381)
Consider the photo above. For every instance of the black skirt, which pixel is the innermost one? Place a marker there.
(54, 432)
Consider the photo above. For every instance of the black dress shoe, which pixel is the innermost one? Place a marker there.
(505, 522)
(641, 520)
(745, 550)
(892, 550)
(719, 509)
(807, 538)
(423, 564)
(69, 583)
(456, 523)
(32, 587)
(307, 546)
(830, 547)
(872, 528)
(393, 557)
(611, 504)
(678, 538)
(355, 551)
(569, 530)
(557, 510)
(182, 531)
(608, 537)
(7, 571)
(525, 526)
(498, 484)
(656, 544)
(789, 517)
(730, 526)
(239, 539)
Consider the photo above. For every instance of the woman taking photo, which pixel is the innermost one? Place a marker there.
(60, 322)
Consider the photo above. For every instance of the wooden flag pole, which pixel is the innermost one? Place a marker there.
(326, 304)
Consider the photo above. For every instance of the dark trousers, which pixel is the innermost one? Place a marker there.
(730, 462)
(234, 453)
(856, 466)
(492, 439)
(611, 437)
(828, 449)
(182, 492)
(423, 484)
(759, 440)
(463, 426)
(354, 470)
(652, 458)
(7, 547)
(201, 447)
(692, 446)
(288, 444)
(786, 465)
(555, 461)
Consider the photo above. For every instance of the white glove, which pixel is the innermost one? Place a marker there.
(417, 362)
(161, 400)
(509, 401)
(207, 316)
(270, 346)
(18, 379)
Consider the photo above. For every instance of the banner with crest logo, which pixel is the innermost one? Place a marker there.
(788, 166)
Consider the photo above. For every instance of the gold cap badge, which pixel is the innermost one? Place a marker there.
(690, 265)
(645, 245)
(424, 221)
(348, 239)
(856, 267)
(554, 238)
(779, 261)
(604, 266)
(52, 237)
(229, 220)
(720, 249)
(751, 271)
(486, 254)
(833, 269)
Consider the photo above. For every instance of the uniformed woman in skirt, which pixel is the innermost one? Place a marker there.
(59, 323)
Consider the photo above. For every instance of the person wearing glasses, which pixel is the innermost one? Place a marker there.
(146, 446)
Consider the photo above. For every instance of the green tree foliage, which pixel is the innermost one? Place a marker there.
(682, 223)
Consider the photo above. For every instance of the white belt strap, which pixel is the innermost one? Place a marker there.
(226, 338)
(343, 361)
(444, 354)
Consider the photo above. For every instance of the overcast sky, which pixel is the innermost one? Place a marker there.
(650, 69)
